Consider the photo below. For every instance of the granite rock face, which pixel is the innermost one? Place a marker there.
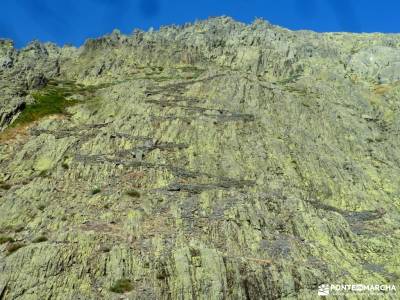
(215, 160)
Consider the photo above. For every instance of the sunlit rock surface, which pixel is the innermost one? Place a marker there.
(215, 160)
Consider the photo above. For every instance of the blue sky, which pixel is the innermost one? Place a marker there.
(72, 21)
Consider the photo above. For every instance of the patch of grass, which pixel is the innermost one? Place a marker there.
(40, 239)
(5, 186)
(89, 91)
(133, 193)
(96, 191)
(11, 248)
(6, 239)
(122, 286)
(50, 101)
(41, 207)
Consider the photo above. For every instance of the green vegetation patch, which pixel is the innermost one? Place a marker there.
(5, 186)
(49, 101)
(5, 239)
(133, 193)
(40, 239)
(122, 286)
(95, 191)
(52, 100)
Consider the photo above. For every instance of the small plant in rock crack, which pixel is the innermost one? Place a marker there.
(41, 207)
(95, 191)
(133, 193)
(122, 286)
(5, 239)
(5, 186)
(40, 239)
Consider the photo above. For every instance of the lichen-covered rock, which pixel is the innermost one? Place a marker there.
(379, 63)
(216, 160)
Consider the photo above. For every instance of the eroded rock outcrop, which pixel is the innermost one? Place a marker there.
(215, 160)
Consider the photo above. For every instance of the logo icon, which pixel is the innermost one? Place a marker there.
(323, 290)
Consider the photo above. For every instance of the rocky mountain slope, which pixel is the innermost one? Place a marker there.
(215, 160)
